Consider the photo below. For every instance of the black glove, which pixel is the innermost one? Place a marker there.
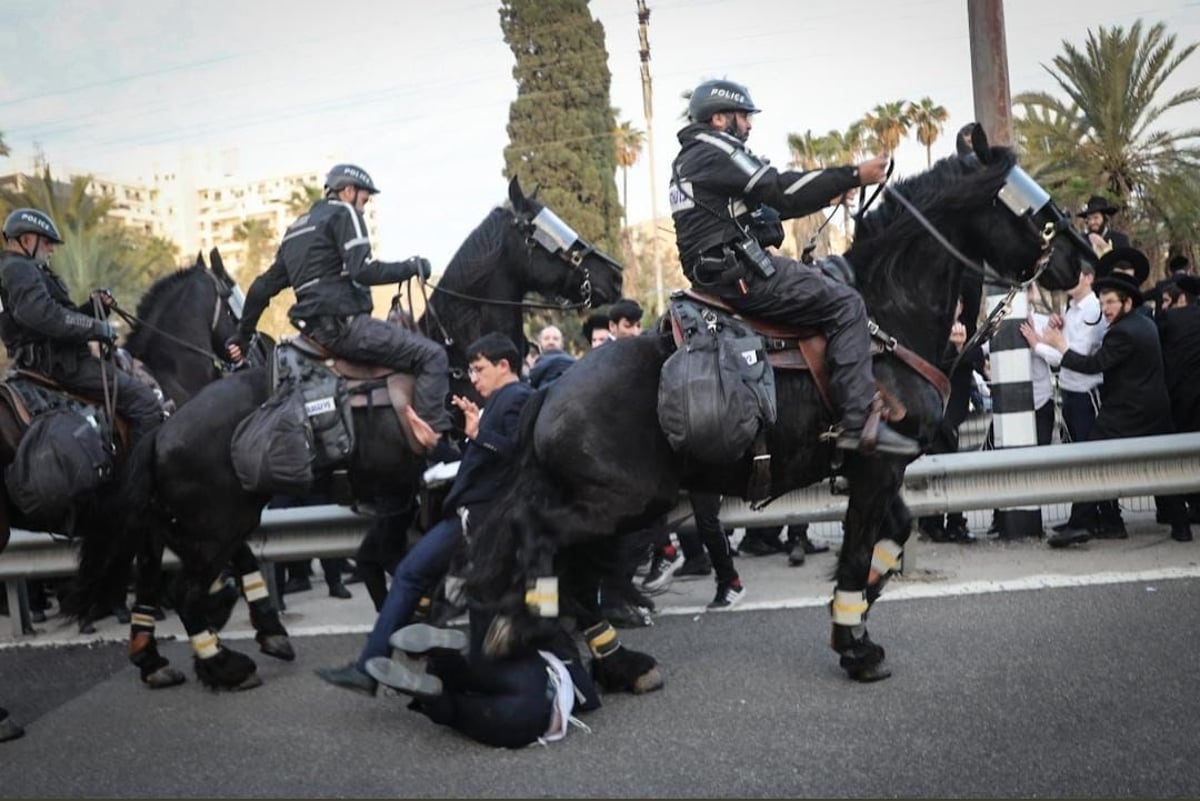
(105, 297)
(104, 331)
(420, 266)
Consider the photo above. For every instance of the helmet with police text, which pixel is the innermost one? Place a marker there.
(31, 221)
(712, 97)
(343, 175)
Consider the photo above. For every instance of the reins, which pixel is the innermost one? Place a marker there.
(133, 319)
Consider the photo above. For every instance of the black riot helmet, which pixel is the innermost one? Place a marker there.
(343, 175)
(31, 221)
(712, 97)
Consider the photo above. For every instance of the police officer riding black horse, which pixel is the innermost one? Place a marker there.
(325, 256)
(728, 203)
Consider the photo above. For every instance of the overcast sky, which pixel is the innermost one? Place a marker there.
(418, 92)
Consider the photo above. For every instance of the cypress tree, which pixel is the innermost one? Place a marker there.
(561, 125)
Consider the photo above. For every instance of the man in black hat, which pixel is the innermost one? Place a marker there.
(595, 330)
(1179, 264)
(1134, 396)
(1096, 217)
(1179, 331)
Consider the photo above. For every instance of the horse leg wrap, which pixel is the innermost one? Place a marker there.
(143, 651)
(254, 586)
(884, 560)
(602, 639)
(848, 607)
(205, 644)
(541, 596)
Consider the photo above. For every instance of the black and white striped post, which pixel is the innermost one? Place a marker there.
(1014, 423)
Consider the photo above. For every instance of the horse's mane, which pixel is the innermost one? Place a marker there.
(472, 263)
(154, 298)
(882, 250)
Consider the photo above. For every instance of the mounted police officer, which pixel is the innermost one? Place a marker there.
(325, 257)
(728, 205)
(46, 333)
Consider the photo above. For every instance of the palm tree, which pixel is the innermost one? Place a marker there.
(628, 142)
(928, 120)
(259, 236)
(889, 123)
(4, 151)
(302, 199)
(1108, 129)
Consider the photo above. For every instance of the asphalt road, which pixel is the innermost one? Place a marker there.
(1061, 691)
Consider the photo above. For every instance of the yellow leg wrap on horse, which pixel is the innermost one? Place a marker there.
(254, 586)
(602, 639)
(541, 596)
(848, 607)
(886, 557)
(140, 620)
(205, 644)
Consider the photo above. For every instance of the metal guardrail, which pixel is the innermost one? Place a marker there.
(1006, 478)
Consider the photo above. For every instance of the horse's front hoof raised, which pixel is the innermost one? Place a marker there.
(278, 646)
(498, 642)
(165, 676)
(649, 681)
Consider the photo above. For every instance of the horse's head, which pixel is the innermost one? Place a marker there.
(230, 300)
(561, 262)
(1024, 235)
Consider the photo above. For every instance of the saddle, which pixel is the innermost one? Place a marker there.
(25, 393)
(368, 385)
(792, 347)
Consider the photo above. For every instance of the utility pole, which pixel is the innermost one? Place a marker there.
(989, 70)
(648, 110)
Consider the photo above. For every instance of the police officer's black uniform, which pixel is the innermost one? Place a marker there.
(717, 186)
(325, 257)
(47, 333)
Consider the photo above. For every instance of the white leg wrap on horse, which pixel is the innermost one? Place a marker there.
(848, 607)
(140, 620)
(205, 644)
(254, 586)
(886, 557)
(541, 596)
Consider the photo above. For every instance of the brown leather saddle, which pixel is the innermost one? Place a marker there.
(369, 385)
(16, 401)
(791, 347)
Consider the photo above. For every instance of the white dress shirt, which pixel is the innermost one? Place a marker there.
(1083, 334)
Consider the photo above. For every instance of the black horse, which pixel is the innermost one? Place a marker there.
(185, 486)
(595, 463)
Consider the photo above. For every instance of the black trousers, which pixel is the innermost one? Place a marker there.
(136, 402)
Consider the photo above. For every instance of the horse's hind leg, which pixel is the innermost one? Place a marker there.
(272, 637)
(155, 669)
(864, 564)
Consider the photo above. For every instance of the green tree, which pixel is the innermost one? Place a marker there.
(560, 126)
(628, 142)
(888, 123)
(1107, 135)
(99, 250)
(4, 151)
(259, 236)
(927, 119)
(302, 199)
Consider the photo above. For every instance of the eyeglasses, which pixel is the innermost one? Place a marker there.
(474, 371)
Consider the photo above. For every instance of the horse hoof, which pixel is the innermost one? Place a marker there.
(278, 646)
(9, 730)
(164, 677)
(498, 641)
(648, 682)
(869, 674)
(249, 683)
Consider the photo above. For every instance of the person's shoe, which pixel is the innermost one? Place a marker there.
(729, 594)
(296, 584)
(934, 532)
(349, 677)
(796, 556)
(627, 616)
(757, 546)
(886, 440)
(1111, 530)
(400, 677)
(421, 638)
(121, 613)
(694, 567)
(1181, 533)
(1060, 526)
(811, 547)
(338, 590)
(662, 570)
(1068, 536)
(958, 532)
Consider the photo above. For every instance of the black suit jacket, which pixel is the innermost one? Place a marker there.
(489, 455)
(1179, 330)
(1133, 399)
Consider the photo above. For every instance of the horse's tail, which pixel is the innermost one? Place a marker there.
(111, 542)
(493, 572)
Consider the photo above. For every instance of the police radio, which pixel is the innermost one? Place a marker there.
(755, 255)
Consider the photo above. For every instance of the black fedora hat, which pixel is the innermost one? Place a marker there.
(1188, 283)
(1178, 263)
(1098, 203)
(1120, 282)
(1125, 258)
